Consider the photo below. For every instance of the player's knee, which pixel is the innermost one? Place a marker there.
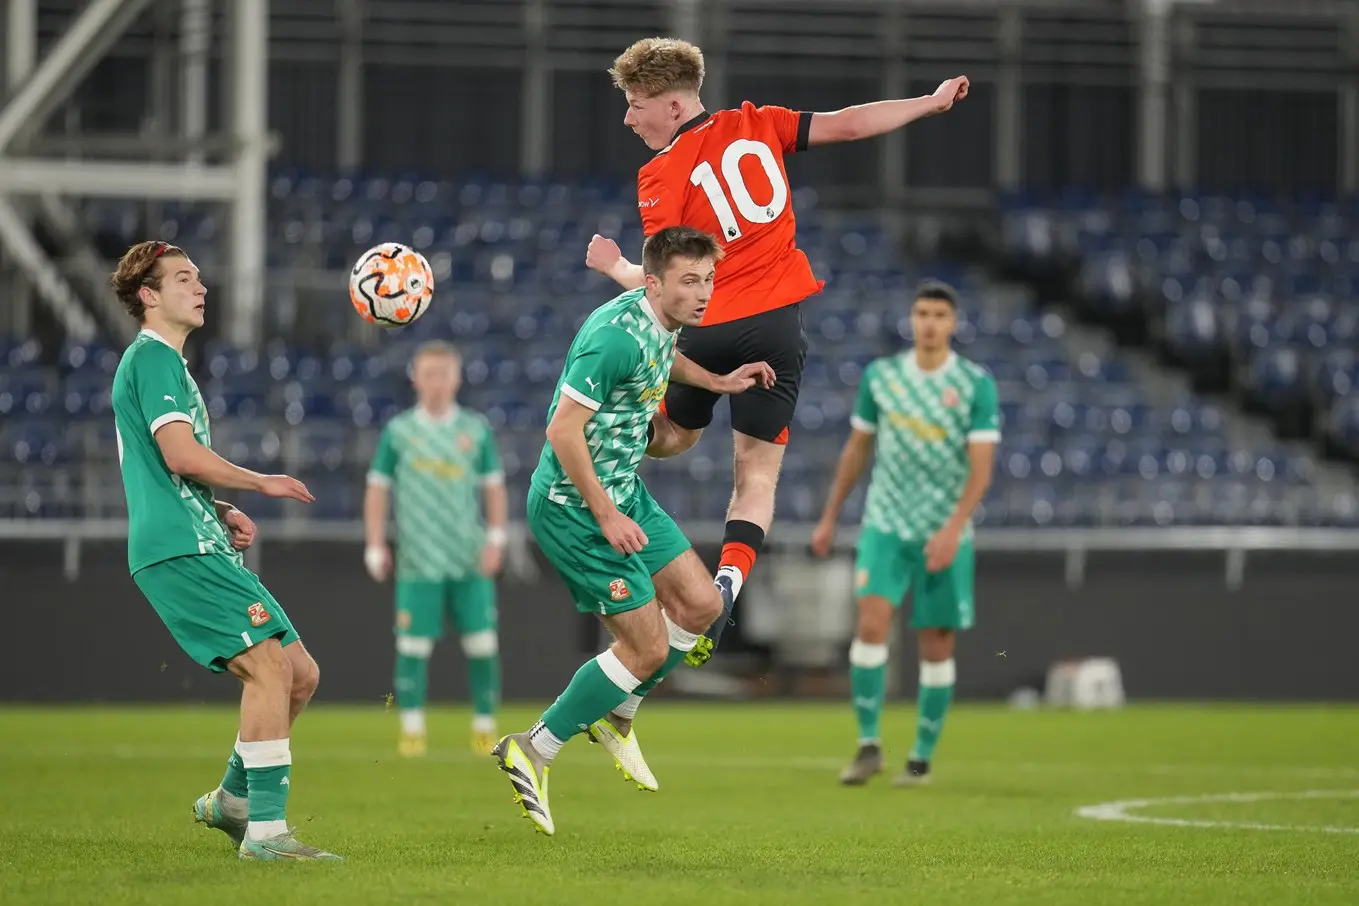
(875, 621)
(478, 645)
(651, 656)
(414, 646)
(755, 478)
(306, 677)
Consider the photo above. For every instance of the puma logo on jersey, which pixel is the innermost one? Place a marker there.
(169, 397)
(594, 388)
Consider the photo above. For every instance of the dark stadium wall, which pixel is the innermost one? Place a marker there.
(1287, 634)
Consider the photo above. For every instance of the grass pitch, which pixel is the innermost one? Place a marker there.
(1252, 805)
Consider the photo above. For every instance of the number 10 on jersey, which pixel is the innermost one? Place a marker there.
(752, 212)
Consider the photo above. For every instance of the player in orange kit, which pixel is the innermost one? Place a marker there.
(723, 173)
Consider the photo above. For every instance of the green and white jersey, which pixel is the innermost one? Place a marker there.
(924, 421)
(168, 516)
(618, 366)
(436, 468)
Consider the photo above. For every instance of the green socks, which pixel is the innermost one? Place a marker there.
(867, 680)
(233, 781)
(483, 671)
(599, 686)
(936, 694)
(681, 643)
(267, 765)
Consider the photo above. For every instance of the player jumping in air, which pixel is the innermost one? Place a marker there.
(184, 550)
(619, 554)
(434, 459)
(931, 418)
(724, 173)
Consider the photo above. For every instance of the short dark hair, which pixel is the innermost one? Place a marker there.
(139, 267)
(939, 291)
(677, 242)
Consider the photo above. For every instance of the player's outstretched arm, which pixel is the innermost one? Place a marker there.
(686, 371)
(187, 458)
(853, 460)
(880, 117)
(566, 437)
(604, 256)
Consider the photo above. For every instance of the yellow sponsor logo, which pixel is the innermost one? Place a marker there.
(439, 468)
(654, 394)
(922, 429)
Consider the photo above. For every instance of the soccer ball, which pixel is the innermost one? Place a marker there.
(391, 285)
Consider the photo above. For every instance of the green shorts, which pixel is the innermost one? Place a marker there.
(214, 607)
(887, 566)
(421, 606)
(600, 579)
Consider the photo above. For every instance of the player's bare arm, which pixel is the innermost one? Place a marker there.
(604, 256)
(377, 555)
(496, 500)
(187, 458)
(853, 460)
(686, 371)
(943, 547)
(880, 117)
(566, 436)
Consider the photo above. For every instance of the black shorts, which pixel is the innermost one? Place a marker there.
(776, 337)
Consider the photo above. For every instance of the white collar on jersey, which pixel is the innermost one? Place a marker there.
(655, 318)
(155, 336)
(913, 363)
(428, 418)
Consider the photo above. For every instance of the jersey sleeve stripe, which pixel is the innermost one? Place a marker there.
(493, 478)
(168, 417)
(991, 436)
(568, 390)
(859, 424)
(379, 480)
(804, 130)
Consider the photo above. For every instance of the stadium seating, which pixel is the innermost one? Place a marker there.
(1253, 296)
(1083, 445)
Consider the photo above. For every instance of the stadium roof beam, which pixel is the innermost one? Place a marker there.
(108, 179)
(18, 240)
(90, 36)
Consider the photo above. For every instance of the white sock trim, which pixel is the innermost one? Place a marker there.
(628, 710)
(542, 739)
(413, 722)
(938, 673)
(483, 723)
(481, 644)
(680, 639)
(867, 654)
(414, 646)
(737, 580)
(267, 753)
(618, 674)
(263, 830)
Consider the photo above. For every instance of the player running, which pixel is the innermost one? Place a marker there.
(617, 551)
(435, 458)
(931, 418)
(724, 173)
(184, 550)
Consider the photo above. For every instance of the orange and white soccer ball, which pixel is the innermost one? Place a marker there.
(391, 285)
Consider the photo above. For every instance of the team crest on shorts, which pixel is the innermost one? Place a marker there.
(949, 397)
(403, 619)
(618, 590)
(258, 615)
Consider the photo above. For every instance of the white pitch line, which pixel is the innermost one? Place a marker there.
(733, 762)
(1122, 810)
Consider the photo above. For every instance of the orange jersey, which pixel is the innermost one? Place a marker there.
(724, 174)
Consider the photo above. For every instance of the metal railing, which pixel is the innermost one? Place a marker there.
(1075, 545)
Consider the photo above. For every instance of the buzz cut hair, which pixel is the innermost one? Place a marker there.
(674, 242)
(938, 291)
(437, 348)
(656, 66)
